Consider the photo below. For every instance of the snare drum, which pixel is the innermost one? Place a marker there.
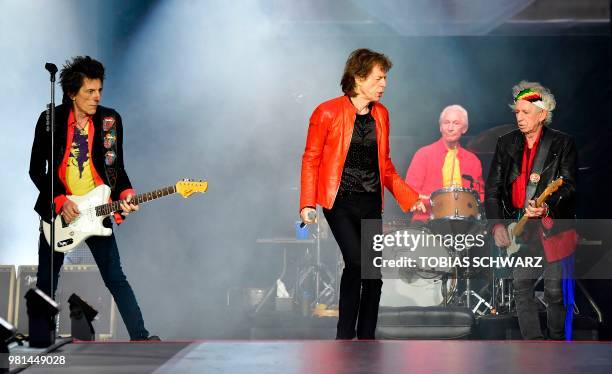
(420, 285)
(455, 203)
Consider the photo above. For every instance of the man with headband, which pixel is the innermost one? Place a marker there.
(526, 160)
(444, 163)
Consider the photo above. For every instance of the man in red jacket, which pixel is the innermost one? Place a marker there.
(445, 163)
(345, 167)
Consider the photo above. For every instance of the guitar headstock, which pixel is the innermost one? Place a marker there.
(188, 187)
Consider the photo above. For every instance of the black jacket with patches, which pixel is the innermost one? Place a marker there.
(40, 158)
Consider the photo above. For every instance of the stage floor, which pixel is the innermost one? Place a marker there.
(334, 357)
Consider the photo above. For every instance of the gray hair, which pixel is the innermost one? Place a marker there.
(548, 99)
(458, 108)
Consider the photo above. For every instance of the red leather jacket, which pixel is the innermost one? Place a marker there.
(329, 137)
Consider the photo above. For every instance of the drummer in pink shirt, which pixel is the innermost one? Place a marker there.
(445, 163)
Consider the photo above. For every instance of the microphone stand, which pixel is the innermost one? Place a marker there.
(50, 119)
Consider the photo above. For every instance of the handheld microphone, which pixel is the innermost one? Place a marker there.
(311, 215)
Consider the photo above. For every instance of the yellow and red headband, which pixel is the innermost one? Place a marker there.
(532, 96)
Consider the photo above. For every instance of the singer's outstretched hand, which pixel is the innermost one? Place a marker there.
(420, 205)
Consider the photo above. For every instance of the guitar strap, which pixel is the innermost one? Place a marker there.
(538, 166)
(109, 135)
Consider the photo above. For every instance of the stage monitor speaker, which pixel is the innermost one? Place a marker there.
(26, 279)
(433, 322)
(85, 281)
(7, 292)
(497, 327)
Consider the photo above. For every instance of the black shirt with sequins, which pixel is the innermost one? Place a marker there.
(360, 173)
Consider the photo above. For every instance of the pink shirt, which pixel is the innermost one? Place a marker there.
(425, 172)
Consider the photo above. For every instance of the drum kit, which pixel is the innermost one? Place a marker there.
(442, 274)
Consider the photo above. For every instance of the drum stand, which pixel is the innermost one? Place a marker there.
(445, 290)
(502, 295)
(482, 306)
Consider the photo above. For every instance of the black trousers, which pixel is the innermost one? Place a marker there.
(359, 295)
(526, 304)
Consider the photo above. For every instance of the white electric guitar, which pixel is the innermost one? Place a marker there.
(94, 208)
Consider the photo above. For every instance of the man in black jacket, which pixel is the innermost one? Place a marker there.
(526, 160)
(88, 152)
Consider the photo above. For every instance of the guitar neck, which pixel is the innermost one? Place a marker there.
(520, 226)
(107, 209)
(541, 199)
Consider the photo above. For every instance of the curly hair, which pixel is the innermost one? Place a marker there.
(548, 99)
(359, 64)
(73, 72)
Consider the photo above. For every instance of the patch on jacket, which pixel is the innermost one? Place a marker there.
(108, 123)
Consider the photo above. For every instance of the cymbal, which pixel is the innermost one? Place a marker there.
(486, 141)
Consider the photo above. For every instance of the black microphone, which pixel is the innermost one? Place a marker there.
(311, 215)
(52, 69)
(470, 179)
